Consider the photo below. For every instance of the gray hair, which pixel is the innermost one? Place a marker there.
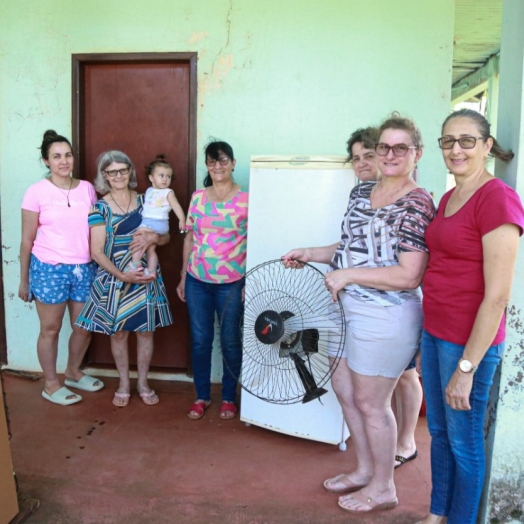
(106, 159)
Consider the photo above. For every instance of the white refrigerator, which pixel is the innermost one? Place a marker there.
(296, 201)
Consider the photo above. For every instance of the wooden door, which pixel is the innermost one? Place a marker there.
(141, 104)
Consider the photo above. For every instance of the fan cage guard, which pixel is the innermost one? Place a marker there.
(290, 326)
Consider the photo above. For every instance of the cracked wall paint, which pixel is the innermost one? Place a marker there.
(215, 79)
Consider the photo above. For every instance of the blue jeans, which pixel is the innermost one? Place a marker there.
(458, 459)
(203, 301)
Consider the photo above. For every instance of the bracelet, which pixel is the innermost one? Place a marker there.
(182, 273)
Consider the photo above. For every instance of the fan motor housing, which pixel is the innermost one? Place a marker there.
(269, 327)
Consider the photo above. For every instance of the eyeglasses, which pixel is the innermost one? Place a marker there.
(114, 172)
(398, 149)
(465, 142)
(224, 161)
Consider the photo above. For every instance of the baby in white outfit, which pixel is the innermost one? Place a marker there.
(159, 200)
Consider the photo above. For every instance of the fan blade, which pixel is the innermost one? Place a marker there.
(312, 321)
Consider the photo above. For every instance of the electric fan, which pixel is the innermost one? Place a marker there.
(290, 325)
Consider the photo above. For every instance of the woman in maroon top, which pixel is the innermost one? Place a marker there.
(473, 244)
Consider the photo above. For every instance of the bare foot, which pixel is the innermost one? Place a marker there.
(345, 483)
(149, 397)
(52, 386)
(364, 499)
(121, 400)
(360, 502)
(405, 454)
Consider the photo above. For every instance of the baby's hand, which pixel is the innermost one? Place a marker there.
(182, 225)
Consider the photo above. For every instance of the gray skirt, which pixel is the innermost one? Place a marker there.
(381, 341)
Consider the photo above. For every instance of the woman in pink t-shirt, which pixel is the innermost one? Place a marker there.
(56, 270)
(214, 263)
(473, 244)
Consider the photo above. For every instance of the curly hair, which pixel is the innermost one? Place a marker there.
(396, 121)
(367, 136)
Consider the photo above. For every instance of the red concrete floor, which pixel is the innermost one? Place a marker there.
(92, 463)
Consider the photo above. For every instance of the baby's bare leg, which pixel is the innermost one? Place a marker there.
(152, 259)
(136, 257)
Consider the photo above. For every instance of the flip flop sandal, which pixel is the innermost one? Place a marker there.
(60, 397)
(364, 501)
(228, 410)
(403, 460)
(86, 383)
(150, 398)
(121, 400)
(347, 486)
(198, 409)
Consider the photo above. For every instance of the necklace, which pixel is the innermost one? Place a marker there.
(390, 197)
(224, 198)
(128, 204)
(62, 191)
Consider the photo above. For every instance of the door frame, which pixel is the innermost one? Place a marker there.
(79, 61)
(77, 66)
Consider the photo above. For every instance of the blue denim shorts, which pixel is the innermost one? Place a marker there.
(55, 284)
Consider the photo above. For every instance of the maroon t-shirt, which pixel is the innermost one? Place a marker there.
(454, 280)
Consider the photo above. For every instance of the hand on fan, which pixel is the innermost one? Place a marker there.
(337, 280)
(296, 258)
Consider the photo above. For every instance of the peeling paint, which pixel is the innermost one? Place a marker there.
(506, 502)
(218, 74)
(515, 381)
(196, 38)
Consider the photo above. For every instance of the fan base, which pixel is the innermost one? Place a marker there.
(312, 395)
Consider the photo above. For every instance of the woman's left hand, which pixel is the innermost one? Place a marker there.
(336, 281)
(458, 390)
(142, 239)
(136, 277)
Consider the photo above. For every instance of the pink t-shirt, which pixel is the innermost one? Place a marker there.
(62, 236)
(454, 280)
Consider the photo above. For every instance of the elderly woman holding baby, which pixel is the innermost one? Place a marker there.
(123, 301)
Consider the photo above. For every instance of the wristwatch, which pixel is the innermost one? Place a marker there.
(466, 366)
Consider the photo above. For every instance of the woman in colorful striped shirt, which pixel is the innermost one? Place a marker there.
(214, 261)
(124, 301)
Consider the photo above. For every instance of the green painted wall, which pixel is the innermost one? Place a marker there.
(293, 77)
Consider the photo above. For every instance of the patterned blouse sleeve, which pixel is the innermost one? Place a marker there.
(97, 215)
(190, 218)
(412, 231)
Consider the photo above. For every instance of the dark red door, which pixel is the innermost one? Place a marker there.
(142, 107)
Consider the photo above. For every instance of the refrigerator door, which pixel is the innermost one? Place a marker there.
(296, 201)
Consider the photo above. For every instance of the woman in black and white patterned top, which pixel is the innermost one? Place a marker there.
(376, 270)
